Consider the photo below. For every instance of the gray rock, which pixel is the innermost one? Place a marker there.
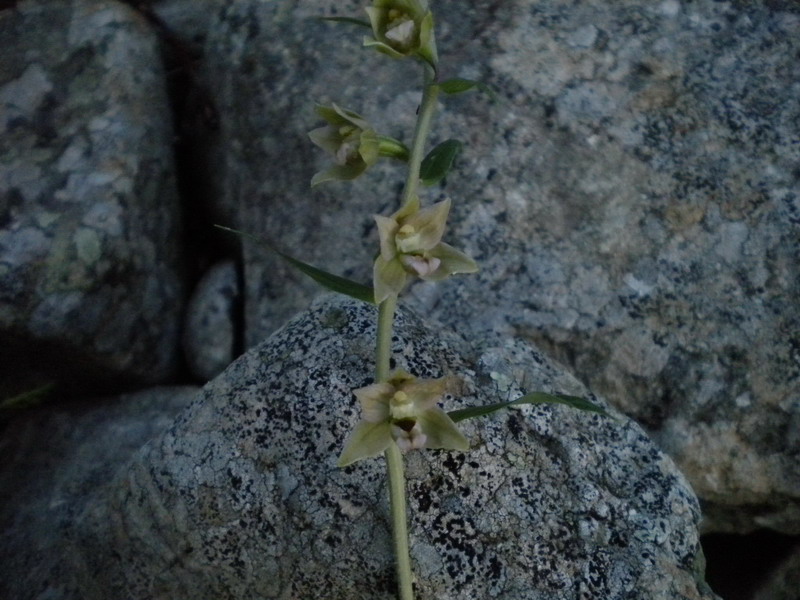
(783, 582)
(89, 232)
(54, 460)
(209, 330)
(241, 498)
(632, 200)
(184, 19)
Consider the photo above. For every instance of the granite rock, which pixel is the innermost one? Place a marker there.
(54, 459)
(549, 503)
(783, 582)
(210, 325)
(90, 281)
(632, 199)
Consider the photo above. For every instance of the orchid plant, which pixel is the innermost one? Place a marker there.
(400, 412)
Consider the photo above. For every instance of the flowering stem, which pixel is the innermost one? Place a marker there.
(430, 91)
(383, 350)
(394, 459)
(397, 502)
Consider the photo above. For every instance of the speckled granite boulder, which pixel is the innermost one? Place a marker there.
(209, 331)
(54, 460)
(632, 199)
(241, 498)
(90, 287)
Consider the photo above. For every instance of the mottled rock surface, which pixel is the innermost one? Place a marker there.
(783, 582)
(90, 284)
(209, 331)
(54, 460)
(632, 199)
(549, 504)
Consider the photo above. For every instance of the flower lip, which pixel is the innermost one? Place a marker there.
(401, 32)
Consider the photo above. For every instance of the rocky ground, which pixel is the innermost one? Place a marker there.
(632, 196)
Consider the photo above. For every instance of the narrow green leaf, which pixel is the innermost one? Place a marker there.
(458, 85)
(349, 20)
(334, 283)
(572, 401)
(534, 398)
(439, 161)
(27, 399)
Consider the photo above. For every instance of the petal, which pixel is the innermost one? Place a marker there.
(374, 400)
(338, 173)
(389, 278)
(365, 441)
(427, 43)
(351, 118)
(408, 209)
(413, 8)
(400, 377)
(441, 431)
(377, 18)
(327, 138)
(381, 47)
(329, 114)
(387, 230)
(453, 261)
(424, 393)
(369, 146)
(429, 224)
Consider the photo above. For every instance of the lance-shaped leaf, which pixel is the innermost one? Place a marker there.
(27, 399)
(335, 283)
(533, 398)
(458, 85)
(439, 161)
(350, 20)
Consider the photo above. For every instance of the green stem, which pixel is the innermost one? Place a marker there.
(430, 92)
(383, 351)
(394, 459)
(397, 502)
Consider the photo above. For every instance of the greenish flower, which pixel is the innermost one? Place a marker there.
(349, 139)
(402, 28)
(402, 410)
(352, 142)
(411, 244)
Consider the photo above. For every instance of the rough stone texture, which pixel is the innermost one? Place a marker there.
(53, 461)
(632, 199)
(783, 582)
(210, 323)
(549, 504)
(184, 19)
(89, 275)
